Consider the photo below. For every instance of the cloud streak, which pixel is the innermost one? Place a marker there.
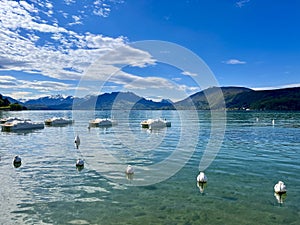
(241, 3)
(234, 62)
(10, 83)
(276, 87)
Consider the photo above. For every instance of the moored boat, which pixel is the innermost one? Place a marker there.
(10, 119)
(19, 125)
(155, 123)
(145, 123)
(58, 121)
(102, 122)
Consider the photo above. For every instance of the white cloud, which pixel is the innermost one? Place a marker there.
(276, 87)
(134, 82)
(7, 78)
(68, 2)
(241, 3)
(113, 61)
(234, 62)
(17, 85)
(187, 73)
(176, 79)
(28, 7)
(77, 20)
(21, 27)
(7, 81)
(20, 94)
(32, 41)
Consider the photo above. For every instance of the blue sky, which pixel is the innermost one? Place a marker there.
(47, 47)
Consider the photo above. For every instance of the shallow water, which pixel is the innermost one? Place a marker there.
(48, 189)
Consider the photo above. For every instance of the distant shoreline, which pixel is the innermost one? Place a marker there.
(234, 98)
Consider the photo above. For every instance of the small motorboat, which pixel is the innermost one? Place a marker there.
(145, 123)
(58, 121)
(20, 125)
(155, 123)
(102, 122)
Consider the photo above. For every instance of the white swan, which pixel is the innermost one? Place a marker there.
(80, 163)
(129, 170)
(77, 141)
(280, 188)
(201, 178)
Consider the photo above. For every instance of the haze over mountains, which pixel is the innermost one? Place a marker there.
(236, 98)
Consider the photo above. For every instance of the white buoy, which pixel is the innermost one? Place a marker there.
(201, 178)
(273, 122)
(280, 188)
(77, 141)
(129, 170)
(79, 163)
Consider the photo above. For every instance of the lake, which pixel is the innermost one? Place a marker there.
(253, 156)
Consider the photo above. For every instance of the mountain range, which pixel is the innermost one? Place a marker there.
(236, 98)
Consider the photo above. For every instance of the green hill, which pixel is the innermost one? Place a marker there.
(230, 98)
(240, 98)
(5, 104)
(280, 99)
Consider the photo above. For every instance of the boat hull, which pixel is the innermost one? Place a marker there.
(58, 122)
(21, 126)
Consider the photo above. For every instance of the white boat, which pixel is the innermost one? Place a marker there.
(102, 122)
(10, 119)
(155, 123)
(19, 125)
(58, 121)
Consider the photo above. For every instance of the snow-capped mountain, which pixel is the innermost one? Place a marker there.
(106, 101)
(51, 102)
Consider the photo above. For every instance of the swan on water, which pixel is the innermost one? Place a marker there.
(129, 170)
(280, 188)
(77, 141)
(201, 178)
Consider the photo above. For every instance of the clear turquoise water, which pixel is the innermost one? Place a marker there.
(47, 188)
